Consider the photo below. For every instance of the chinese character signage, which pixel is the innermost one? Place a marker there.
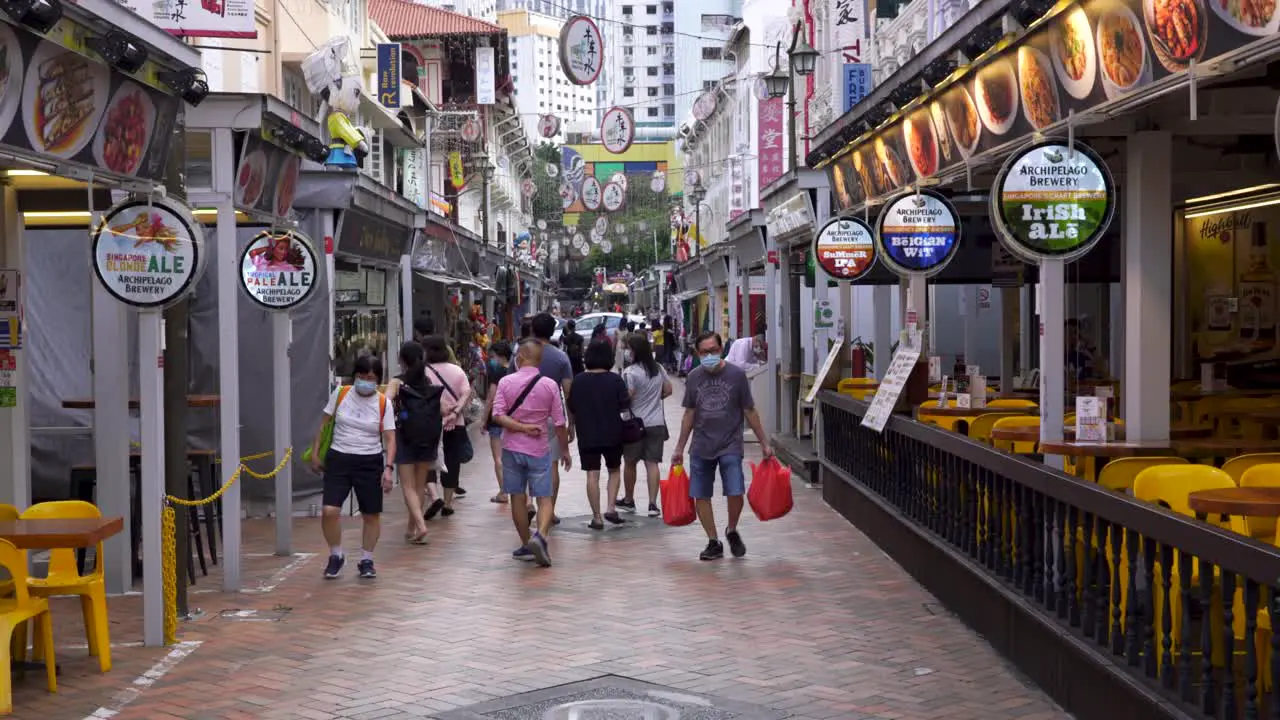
(769, 155)
(486, 83)
(857, 83)
(199, 18)
(581, 50)
(850, 28)
(389, 74)
(415, 176)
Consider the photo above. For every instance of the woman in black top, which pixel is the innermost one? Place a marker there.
(571, 343)
(596, 402)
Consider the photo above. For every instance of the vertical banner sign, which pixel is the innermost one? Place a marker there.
(486, 83)
(769, 141)
(415, 176)
(456, 175)
(389, 74)
(857, 83)
(851, 28)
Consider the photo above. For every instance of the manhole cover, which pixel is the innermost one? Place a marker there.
(251, 615)
(635, 526)
(612, 698)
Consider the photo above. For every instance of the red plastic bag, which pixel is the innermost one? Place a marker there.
(677, 506)
(770, 491)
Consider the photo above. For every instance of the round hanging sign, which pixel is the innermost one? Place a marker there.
(658, 182)
(845, 248)
(579, 240)
(567, 195)
(528, 188)
(617, 130)
(619, 178)
(1052, 203)
(601, 226)
(553, 170)
(919, 233)
(581, 50)
(542, 224)
(148, 253)
(606, 247)
(591, 193)
(705, 105)
(278, 269)
(612, 197)
(691, 178)
(471, 130)
(548, 126)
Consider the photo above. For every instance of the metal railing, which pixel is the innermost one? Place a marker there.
(1174, 611)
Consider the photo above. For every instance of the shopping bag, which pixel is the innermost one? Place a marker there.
(677, 506)
(770, 492)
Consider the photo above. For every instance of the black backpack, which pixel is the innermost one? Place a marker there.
(418, 417)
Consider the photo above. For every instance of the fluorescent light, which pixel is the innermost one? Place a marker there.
(205, 211)
(25, 173)
(1231, 193)
(56, 215)
(1274, 200)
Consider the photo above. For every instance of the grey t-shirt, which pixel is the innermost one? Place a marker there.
(647, 403)
(555, 364)
(719, 400)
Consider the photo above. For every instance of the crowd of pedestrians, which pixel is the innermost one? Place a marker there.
(605, 394)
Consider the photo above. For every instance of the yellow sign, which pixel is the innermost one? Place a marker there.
(456, 175)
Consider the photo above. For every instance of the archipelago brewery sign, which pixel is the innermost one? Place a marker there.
(1053, 201)
(919, 233)
(148, 253)
(845, 248)
(278, 269)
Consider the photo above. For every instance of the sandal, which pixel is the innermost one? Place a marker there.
(418, 539)
(595, 525)
(499, 499)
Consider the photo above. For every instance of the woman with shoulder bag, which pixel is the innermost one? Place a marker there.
(647, 385)
(597, 399)
(454, 402)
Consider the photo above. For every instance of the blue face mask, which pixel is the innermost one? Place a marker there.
(366, 387)
(710, 362)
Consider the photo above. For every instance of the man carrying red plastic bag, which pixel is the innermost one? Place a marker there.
(717, 399)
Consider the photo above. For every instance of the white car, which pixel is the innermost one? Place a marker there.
(587, 324)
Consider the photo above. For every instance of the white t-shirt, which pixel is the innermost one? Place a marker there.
(647, 403)
(356, 430)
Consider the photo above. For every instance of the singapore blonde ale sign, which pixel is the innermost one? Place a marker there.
(1053, 201)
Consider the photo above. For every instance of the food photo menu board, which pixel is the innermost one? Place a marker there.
(266, 177)
(63, 104)
(1090, 53)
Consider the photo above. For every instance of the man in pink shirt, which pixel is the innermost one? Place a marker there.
(525, 404)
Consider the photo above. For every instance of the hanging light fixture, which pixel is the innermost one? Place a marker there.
(804, 59)
(777, 83)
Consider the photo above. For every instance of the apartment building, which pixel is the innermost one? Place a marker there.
(540, 86)
(701, 29)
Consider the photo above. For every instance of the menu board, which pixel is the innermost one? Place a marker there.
(60, 103)
(891, 385)
(266, 177)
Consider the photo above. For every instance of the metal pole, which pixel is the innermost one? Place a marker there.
(177, 468)
(227, 279)
(792, 154)
(281, 338)
(151, 406)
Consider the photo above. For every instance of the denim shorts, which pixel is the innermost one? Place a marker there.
(702, 476)
(495, 431)
(526, 474)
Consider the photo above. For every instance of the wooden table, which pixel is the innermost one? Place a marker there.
(1205, 447)
(955, 412)
(1239, 501)
(1193, 395)
(195, 401)
(1032, 434)
(59, 533)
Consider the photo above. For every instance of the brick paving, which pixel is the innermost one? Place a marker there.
(815, 622)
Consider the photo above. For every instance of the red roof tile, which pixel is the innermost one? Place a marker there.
(402, 19)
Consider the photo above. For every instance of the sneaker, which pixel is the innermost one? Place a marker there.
(446, 512)
(736, 546)
(614, 518)
(628, 505)
(522, 553)
(433, 509)
(654, 511)
(334, 568)
(714, 551)
(366, 570)
(538, 546)
(459, 492)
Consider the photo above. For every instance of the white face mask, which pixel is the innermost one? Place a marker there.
(628, 356)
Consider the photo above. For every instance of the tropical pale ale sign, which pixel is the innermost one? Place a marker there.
(278, 269)
(1053, 201)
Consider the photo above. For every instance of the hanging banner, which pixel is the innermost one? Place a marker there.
(581, 50)
(769, 155)
(148, 253)
(613, 197)
(486, 77)
(456, 174)
(1053, 201)
(845, 248)
(415, 177)
(617, 130)
(918, 233)
(388, 74)
(207, 18)
(591, 192)
(278, 269)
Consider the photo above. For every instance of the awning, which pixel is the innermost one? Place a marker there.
(617, 289)
(451, 281)
(388, 123)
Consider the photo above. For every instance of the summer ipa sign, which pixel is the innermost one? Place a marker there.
(1053, 201)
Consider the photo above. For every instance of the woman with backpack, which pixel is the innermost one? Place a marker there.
(571, 341)
(596, 402)
(419, 429)
(454, 401)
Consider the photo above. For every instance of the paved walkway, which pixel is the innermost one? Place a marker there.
(816, 622)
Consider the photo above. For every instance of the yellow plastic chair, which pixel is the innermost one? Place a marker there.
(980, 427)
(1237, 466)
(7, 512)
(858, 388)
(15, 612)
(1119, 474)
(1011, 446)
(1014, 403)
(64, 577)
(1228, 423)
(1260, 528)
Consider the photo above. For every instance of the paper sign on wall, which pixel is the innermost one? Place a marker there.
(891, 385)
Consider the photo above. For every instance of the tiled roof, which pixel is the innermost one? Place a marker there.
(402, 19)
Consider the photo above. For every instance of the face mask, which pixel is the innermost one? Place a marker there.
(628, 356)
(710, 362)
(366, 387)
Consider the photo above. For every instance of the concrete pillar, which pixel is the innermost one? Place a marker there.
(732, 299)
(228, 281)
(882, 343)
(773, 289)
(846, 310)
(151, 400)
(281, 340)
(744, 311)
(1010, 306)
(15, 422)
(917, 300)
(1148, 285)
(1053, 329)
(785, 333)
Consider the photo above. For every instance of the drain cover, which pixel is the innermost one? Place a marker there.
(635, 526)
(612, 698)
(250, 615)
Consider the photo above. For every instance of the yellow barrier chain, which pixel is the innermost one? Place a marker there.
(169, 539)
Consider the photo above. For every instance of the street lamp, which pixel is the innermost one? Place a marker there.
(801, 60)
(481, 160)
(697, 193)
